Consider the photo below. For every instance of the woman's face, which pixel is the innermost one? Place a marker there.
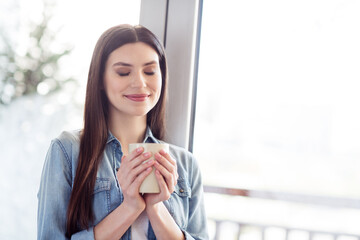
(132, 79)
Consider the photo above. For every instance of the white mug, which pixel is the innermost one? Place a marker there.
(150, 185)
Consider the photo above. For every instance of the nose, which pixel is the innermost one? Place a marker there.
(138, 80)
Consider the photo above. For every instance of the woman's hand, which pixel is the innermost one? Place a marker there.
(130, 176)
(166, 176)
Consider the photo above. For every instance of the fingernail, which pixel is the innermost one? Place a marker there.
(147, 154)
(162, 151)
(139, 149)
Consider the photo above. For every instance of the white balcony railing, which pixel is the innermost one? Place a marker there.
(259, 231)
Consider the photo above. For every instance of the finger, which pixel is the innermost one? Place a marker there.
(143, 158)
(167, 156)
(171, 160)
(170, 165)
(133, 173)
(168, 177)
(128, 171)
(164, 190)
(140, 178)
(136, 152)
(142, 167)
(134, 186)
(123, 173)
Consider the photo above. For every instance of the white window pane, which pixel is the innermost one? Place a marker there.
(278, 104)
(278, 95)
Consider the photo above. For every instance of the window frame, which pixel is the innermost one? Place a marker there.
(177, 24)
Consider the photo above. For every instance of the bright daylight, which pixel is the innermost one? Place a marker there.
(265, 94)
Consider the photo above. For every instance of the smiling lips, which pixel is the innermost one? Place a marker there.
(137, 97)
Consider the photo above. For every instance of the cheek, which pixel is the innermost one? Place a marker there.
(156, 85)
(156, 88)
(113, 84)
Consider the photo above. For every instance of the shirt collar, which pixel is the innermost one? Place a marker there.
(111, 137)
(149, 137)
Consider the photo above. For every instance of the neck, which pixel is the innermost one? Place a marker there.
(128, 130)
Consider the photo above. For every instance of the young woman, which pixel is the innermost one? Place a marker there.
(90, 182)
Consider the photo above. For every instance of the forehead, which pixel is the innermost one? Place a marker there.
(133, 53)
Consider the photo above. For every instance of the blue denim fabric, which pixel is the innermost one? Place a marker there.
(185, 204)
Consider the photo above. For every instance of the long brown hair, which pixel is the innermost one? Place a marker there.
(95, 133)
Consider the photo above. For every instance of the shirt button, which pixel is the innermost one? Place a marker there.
(181, 190)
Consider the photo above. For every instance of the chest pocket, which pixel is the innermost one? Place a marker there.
(182, 188)
(101, 198)
(179, 202)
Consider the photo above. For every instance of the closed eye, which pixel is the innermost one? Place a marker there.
(149, 73)
(121, 74)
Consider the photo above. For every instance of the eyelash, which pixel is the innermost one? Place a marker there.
(149, 73)
(124, 74)
(128, 73)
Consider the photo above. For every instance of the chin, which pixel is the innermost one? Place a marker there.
(141, 113)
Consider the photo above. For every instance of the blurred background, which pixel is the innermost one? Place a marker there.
(45, 51)
(276, 129)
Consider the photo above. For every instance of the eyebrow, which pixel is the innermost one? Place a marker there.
(129, 65)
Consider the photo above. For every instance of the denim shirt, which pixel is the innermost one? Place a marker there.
(185, 204)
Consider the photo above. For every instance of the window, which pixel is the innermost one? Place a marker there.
(278, 107)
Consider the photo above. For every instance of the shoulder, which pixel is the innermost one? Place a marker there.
(68, 142)
(69, 137)
(62, 154)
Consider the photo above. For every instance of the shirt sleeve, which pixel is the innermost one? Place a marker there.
(54, 195)
(197, 225)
